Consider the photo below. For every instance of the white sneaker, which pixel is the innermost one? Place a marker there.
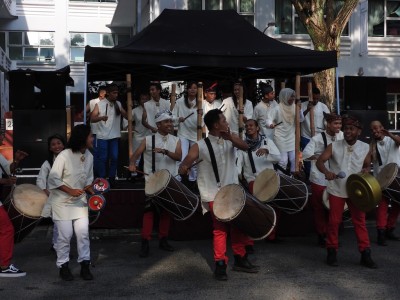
(12, 271)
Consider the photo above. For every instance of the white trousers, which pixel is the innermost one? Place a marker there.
(65, 231)
(55, 234)
(185, 145)
(285, 157)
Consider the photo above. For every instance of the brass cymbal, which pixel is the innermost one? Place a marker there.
(364, 191)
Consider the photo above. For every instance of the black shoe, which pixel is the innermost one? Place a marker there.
(243, 265)
(145, 250)
(381, 237)
(249, 249)
(65, 272)
(164, 245)
(85, 270)
(322, 240)
(220, 271)
(331, 258)
(366, 259)
(391, 236)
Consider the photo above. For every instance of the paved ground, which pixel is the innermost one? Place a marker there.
(294, 269)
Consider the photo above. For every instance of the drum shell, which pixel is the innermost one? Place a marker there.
(172, 195)
(391, 188)
(244, 211)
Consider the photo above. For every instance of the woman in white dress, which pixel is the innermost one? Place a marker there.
(69, 179)
(55, 144)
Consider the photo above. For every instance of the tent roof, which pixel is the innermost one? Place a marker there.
(192, 43)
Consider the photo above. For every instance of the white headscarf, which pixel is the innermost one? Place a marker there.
(288, 111)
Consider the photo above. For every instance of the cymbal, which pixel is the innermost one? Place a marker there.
(364, 191)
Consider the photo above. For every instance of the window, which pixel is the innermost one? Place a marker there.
(79, 40)
(383, 18)
(393, 106)
(288, 22)
(244, 7)
(28, 45)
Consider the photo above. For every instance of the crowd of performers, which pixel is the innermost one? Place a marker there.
(329, 147)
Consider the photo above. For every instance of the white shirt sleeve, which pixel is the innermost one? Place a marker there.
(309, 150)
(56, 173)
(43, 175)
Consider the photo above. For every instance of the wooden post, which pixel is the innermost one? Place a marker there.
(310, 100)
(173, 96)
(199, 110)
(241, 108)
(129, 107)
(297, 123)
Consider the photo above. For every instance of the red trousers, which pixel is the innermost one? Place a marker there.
(6, 238)
(163, 228)
(335, 218)
(220, 234)
(387, 218)
(320, 212)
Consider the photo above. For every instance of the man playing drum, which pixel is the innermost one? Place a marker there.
(384, 150)
(349, 156)
(261, 155)
(160, 151)
(314, 148)
(218, 155)
(6, 227)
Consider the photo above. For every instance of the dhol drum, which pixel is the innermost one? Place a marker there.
(363, 191)
(24, 206)
(281, 191)
(325, 201)
(389, 181)
(254, 218)
(169, 193)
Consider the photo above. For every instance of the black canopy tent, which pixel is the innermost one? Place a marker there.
(193, 44)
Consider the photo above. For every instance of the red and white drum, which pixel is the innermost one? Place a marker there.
(96, 202)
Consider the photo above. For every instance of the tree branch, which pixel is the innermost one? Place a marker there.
(344, 15)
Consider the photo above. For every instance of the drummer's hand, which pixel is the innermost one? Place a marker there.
(183, 170)
(330, 176)
(8, 181)
(385, 132)
(132, 168)
(262, 151)
(76, 192)
(89, 189)
(226, 135)
(181, 119)
(314, 157)
(19, 155)
(159, 150)
(272, 126)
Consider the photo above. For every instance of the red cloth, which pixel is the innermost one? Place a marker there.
(6, 238)
(238, 239)
(335, 218)
(319, 210)
(386, 218)
(163, 228)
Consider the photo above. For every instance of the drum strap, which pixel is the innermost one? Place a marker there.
(325, 140)
(378, 156)
(153, 154)
(5, 174)
(253, 167)
(213, 160)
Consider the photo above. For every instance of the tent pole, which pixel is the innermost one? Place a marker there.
(85, 95)
(129, 104)
(337, 92)
(297, 123)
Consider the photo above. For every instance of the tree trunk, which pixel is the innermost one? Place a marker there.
(325, 81)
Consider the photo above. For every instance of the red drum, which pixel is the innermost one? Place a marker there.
(96, 202)
(101, 185)
(169, 193)
(24, 206)
(281, 191)
(389, 181)
(254, 218)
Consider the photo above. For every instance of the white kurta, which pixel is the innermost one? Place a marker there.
(92, 105)
(110, 129)
(6, 165)
(260, 114)
(168, 142)
(187, 129)
(207, 106)
(284, 135)
(152, 108)
(225, 158)
(319, 122)
(232, 114)
(389, 152)
(315, 147)
(260, 162)
(69, 169)
(350, 162)
(140, 131)
(41, 182)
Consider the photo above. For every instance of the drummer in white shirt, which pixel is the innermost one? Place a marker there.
(210, 102)
(385, 149)
(260, 113)
(313, 150)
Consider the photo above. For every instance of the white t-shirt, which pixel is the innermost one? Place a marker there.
(319, 123)
(74, 170)
(110, 129)
(152, 108)
(232, 114)
(41, 180)
(260, 114)
(315, 147)
(92, 105)
(187, 129)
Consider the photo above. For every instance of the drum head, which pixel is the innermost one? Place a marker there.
(96, 202)
(387, 175)
(29, 199)
(266, 185)
(229, 202)
(364, 191)
(157, 182)
(325, 201)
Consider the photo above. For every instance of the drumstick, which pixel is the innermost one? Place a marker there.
(278, 124)
(184, 119)
(196, 163)
(137, 171)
